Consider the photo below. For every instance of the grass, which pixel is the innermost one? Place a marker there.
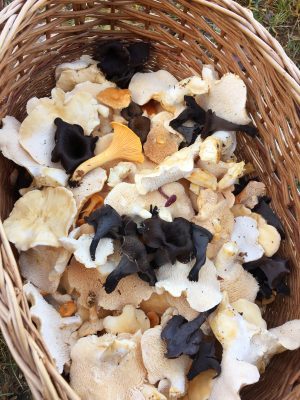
(281, 18)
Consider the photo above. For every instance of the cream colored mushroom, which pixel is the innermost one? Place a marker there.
(80, 247)
(58, 333)
(159, 367)
(108, 367)
(250, 312)
(130, 320)
(43, 266)
(123, 170)
(159, 303)
(228, 145)
(235, 280)
(211, 149)
(209, 74)
(201, 295)
(245, 234)
(178, 165)
(233, 173)
(202, 179)
(67, 78)
(126, 200)
(227, 98)
(268, 236)
(149, 85)
(247, 349)
(38, 129)
(91, 183)
(200, 387)
(249, 196)
(41, 218)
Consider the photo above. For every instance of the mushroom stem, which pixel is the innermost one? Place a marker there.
(125, 145)
(170, 199)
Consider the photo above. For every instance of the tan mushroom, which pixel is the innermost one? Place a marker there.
(211, 149)
(43, 266)
(108, 367)
(121, 172)
(115, 98)
(68, 78)
(202, 179)
(249, 196)
(200, 387)
(160, 144)
(159, 367)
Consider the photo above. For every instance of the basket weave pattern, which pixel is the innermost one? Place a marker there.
(37, 35)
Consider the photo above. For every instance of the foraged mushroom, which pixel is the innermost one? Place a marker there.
(159, 367)
(247, 349)
(203, 179)
(43, 266)
(150, 85)
(81, 249)
(233, 173)
(238, 283)
(58, 333)
(68, 78)
(201, 295)
(120, 172)
(228, 140)
(41, 218)
(115, 98)
(126, 200)
(178, 165)
(160, 144)
(110, 366)
(268, 236)
(227, 98)
(245, 234)
(91, 183)
(125, 145)
(37, 130)
(249, 195)
(211, 149)
(130, 320)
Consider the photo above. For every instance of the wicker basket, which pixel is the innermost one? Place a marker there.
(37, 35)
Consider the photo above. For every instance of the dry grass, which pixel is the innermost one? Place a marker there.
(281, 17)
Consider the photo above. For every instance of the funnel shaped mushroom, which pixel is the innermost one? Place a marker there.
(106, 222)
(57, 332)
(159, 367)
(125, 145)
(183, 337)
(41, 217)
(107, 367)
(247, 348)
(201, 237)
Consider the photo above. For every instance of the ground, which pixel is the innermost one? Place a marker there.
(281, 17)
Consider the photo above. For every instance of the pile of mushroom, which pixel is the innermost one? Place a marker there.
(143, 242)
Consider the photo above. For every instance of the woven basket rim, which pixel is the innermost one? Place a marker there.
(11, 297)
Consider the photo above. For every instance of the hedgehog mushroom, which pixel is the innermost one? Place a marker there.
(159, 367)
(130, 320)
(57, 332)
(109, 366)
(238, 283)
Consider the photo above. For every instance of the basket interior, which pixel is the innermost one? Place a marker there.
(184, 35)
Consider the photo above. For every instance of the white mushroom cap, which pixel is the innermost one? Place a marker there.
(268, 236)
(38, 129)
(178, 165)
(57, 332)
(227, 98)
(201, 295)
(92, 88)
(245, 234)
(120, 172)
(41, 217)
(233, 173)
(108, 367)
(209, 74)
(91, 183)
(68, 78)
(247, 348)
(211, 149)
(229, 143)
(126, 200)
(130, 320)
(43, 266)
(149, 85)
(250, 312)
(159, 367)
(81, 249)
(45, 176)
(83, 62)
